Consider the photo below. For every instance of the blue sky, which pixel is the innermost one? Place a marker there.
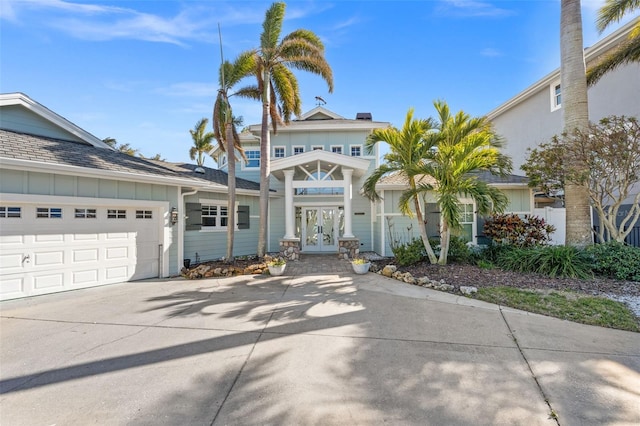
(144, 72)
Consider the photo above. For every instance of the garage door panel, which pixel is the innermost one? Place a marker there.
(117, 253)
(49, 238)
(12, 286)
(85, 278)
(72, 252)
(51, 258)
(48, 281)
(6, 240)
(85, 255)
(118, 273)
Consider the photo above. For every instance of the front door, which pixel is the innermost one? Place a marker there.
(320, 229)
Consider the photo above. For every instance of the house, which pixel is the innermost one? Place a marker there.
(534, 115)
(75, 213)
(319, 165)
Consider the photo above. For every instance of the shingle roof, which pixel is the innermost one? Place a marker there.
(23, 146)
(401, 179)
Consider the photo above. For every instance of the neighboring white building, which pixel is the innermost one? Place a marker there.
(534, 115)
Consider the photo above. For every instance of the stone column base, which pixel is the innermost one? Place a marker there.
(348, 248)
(290, 248)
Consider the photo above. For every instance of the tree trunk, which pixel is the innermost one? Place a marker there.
(573, 83)
(423, 231)
(231, 184)
(445, 237)
(265, 165)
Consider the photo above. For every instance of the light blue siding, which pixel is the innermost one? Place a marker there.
(12, 181)
(19, 119)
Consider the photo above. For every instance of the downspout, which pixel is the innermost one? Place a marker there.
(182, 216)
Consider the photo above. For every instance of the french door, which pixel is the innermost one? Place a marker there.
(320, 228)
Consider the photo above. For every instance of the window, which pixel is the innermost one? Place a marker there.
(214, 217)
(116, 214)
(556, 96)
(14, 212)
(317, 148)
(144, 214)
(323, 190)
(356, 150)
(466, 220)
(223, 160)
(49, 212)
(278, 151)
(336, 149)
(298, 150)
(253, 159)
(85, 214)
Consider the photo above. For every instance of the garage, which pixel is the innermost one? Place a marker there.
(50, 247)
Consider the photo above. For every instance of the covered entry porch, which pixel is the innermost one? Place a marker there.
(318, 196)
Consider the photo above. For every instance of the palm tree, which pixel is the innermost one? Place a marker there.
(224, 130)
(278, 88)
(201, 141)
(443, 156)
(627, 52)
(575, 108)
(406, 150)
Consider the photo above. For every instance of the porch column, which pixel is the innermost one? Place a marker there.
(288, 204)
(347, 174)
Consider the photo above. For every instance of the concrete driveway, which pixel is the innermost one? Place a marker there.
(314, 350)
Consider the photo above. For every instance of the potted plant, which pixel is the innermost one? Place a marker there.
(360, 265)
(277, 265)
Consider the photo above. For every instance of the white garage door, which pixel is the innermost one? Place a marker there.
(49, 248)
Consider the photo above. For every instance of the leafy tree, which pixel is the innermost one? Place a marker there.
(611, 152)
(224, 130)
(278, 88)
(628, 51)
(575, 115)
(201, 141)
(127, 149)
(442, 156)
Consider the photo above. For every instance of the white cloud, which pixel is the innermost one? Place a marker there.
(490, 52)
(472, 8)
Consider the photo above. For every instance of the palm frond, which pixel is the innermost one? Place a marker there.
(626, 53)
(272, 27)
(613, 11)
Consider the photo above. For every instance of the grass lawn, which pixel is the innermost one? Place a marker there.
(565, 305)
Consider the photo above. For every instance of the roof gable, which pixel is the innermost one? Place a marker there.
(20, 113)
(319, 113)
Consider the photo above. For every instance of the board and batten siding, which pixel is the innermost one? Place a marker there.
(212, 244)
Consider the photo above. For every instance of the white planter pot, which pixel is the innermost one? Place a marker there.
(361, 268)
(277, 269)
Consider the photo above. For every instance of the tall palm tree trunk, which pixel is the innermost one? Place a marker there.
(231, 184)
(265, 164)
(445, 238)
(576, 116)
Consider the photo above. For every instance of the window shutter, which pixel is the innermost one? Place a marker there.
(243, 217)
(432, 215)
(194, 216)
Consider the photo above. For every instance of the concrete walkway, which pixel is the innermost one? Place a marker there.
(321, 348)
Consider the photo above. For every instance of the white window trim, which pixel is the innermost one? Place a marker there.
(293, 149)
(361, 150)
(338, 146)
(552, 96)
(276, 147)
(209, 202)
(317, 147)
(474, 223)
(244, 164)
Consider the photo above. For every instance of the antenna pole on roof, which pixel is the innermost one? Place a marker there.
(221, 55)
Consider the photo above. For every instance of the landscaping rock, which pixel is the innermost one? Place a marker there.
(468, 290)
(388, 270)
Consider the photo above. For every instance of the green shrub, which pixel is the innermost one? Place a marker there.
(616, 260)
(553, 261)
(492, 252)
(409, 253)
(511, 229)
(458, 250)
